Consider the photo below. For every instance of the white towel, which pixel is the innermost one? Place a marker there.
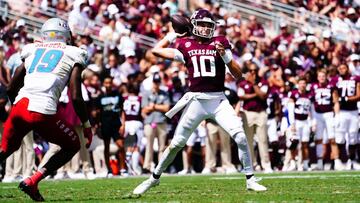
(192, 95)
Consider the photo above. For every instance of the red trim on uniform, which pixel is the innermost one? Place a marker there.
(53, 128)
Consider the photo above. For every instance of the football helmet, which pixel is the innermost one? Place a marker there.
(200, 16)
(55, 30)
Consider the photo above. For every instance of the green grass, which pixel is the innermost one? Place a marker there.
(284, 187)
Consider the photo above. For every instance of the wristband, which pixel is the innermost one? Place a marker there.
(227, 57)
(171, 37)
(86, 124)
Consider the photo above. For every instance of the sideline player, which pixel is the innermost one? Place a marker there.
(205, 57)
(46, 69)
(326, 104)
(299, 107)
(347, 120)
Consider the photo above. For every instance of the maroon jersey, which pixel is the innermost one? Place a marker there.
(255, 104)
(322, 97)
(302, 104)
(132, 108)
(205, 66)
(272, 98)
(346, 87)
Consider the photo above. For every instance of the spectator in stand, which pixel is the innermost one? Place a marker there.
(112, 69)
(79, 16)
(339, 27)
(130, 66)
(284, 37)
(148, 30)
(108, 32)
(255, 28)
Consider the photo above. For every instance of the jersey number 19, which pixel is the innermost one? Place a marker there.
(45, 60)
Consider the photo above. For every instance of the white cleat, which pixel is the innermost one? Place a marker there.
(184, 172)
(338, 165)
(146, 185)
(252, 184)
(356, 165)
(292, 166)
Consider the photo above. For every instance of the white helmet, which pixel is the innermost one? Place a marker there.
(55, 30)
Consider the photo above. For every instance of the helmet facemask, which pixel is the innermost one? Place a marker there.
(55, 36)
(203, 27)
(56, 30)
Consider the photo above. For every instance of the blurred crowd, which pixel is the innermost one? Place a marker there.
(146, 86)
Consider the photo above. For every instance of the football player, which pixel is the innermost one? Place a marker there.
(134, 128)
(326, 102)
(205, 57)
(35, 90)
(299, 110)
(273, 110)
(346, 121)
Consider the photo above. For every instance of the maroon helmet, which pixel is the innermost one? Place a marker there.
(199, 16)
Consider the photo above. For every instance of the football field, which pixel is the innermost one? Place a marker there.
(282, 187)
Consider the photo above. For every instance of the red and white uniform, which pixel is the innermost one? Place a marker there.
(48, 68)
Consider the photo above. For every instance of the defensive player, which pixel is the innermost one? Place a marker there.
(205, 57)
(46, 69)
(347, 121)
(326, 102)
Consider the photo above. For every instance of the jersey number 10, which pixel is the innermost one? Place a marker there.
(203, 72)
(48, 60)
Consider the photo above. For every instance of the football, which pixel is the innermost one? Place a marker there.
(181, 24)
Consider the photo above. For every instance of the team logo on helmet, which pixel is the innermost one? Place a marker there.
(55, 30)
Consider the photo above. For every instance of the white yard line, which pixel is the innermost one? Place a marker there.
(8, 187)
(295, 176)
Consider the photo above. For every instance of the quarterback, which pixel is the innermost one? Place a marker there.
(205, 57)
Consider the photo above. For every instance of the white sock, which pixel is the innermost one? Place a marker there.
(320, 164)
(306, 164)
(135, 160)
(166, 159)
(319, 150)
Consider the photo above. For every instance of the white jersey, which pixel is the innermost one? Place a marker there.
(48, 68)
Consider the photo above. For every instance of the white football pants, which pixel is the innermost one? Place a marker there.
(217, 109)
